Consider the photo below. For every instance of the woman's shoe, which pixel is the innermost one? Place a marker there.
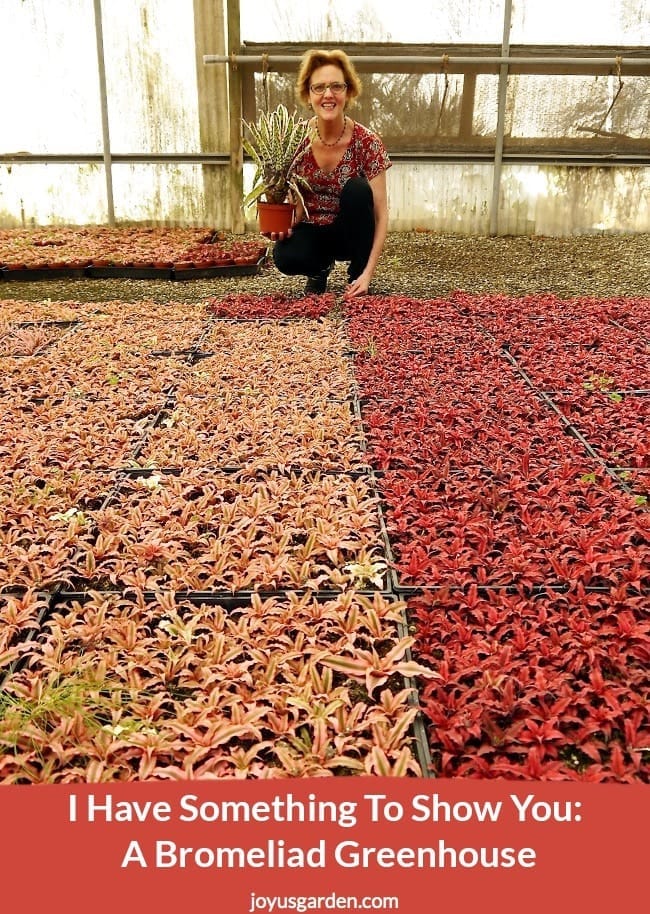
(317, 284)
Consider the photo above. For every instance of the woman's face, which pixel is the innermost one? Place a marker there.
(330, 103)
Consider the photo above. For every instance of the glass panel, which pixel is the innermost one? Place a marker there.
(537, 200)
(555, 200)
(484, 122)
(596, 113)
(170, 194)
(412, 112)
(48, 74)
(449, 197)
(33, 195)
(581, 22)
(372, 21)
(151, 76)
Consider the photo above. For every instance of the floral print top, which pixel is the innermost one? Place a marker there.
(365, 156)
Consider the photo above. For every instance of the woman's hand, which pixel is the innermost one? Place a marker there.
(278, 236)
(358, 286)
(298, 215)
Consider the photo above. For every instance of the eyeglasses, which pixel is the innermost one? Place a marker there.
(336, 88)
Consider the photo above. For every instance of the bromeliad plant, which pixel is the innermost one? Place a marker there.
(120, 688)
(552, 687)
(278, 305)
(55, 247)
(263, 441)
(530, 562)
(276, 142)
(531, 635)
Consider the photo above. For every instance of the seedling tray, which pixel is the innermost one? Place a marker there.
(225, 598)
(27, 275)
(215, 272)
(405, 591)
(126, 272)
(26, 635)
(232, 470)
(48, 324)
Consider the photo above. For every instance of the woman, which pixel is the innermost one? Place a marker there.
(346, 209)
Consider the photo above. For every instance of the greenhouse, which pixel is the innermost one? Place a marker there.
(350, 498)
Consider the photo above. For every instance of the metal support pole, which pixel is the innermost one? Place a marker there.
(632, 64)
(106, 139)
(501, 119)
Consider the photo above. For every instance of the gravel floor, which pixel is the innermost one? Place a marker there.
(419, 264)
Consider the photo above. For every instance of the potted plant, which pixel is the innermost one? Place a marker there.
(274, 143)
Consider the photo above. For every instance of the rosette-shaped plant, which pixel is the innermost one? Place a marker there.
(276, 142)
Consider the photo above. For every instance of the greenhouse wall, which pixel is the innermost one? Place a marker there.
(165, 105)
(534, 200)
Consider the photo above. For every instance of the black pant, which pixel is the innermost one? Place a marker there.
(312, 248)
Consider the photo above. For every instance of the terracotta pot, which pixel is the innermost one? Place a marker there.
(274, 217)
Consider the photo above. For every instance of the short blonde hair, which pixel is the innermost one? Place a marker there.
(313, 59)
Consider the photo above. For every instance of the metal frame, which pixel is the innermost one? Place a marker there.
(89, 158)
(501, 119)
(103, 98)
(244, 60)
(520, 63)
(503, 61)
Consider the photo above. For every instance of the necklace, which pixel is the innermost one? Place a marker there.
(339, 138)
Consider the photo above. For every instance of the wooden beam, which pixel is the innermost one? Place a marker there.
(212, 89)
(235, 116)
(467, 106)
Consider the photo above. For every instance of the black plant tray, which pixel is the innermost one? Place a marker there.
(226, 598)
(233, 470)
(25, 636)
(126, 272)
(621, 392)
(49, 323)
(132, 272)
(180, 353)
(268, 319)
(27, 275)
(215, 272)
(532, 590)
